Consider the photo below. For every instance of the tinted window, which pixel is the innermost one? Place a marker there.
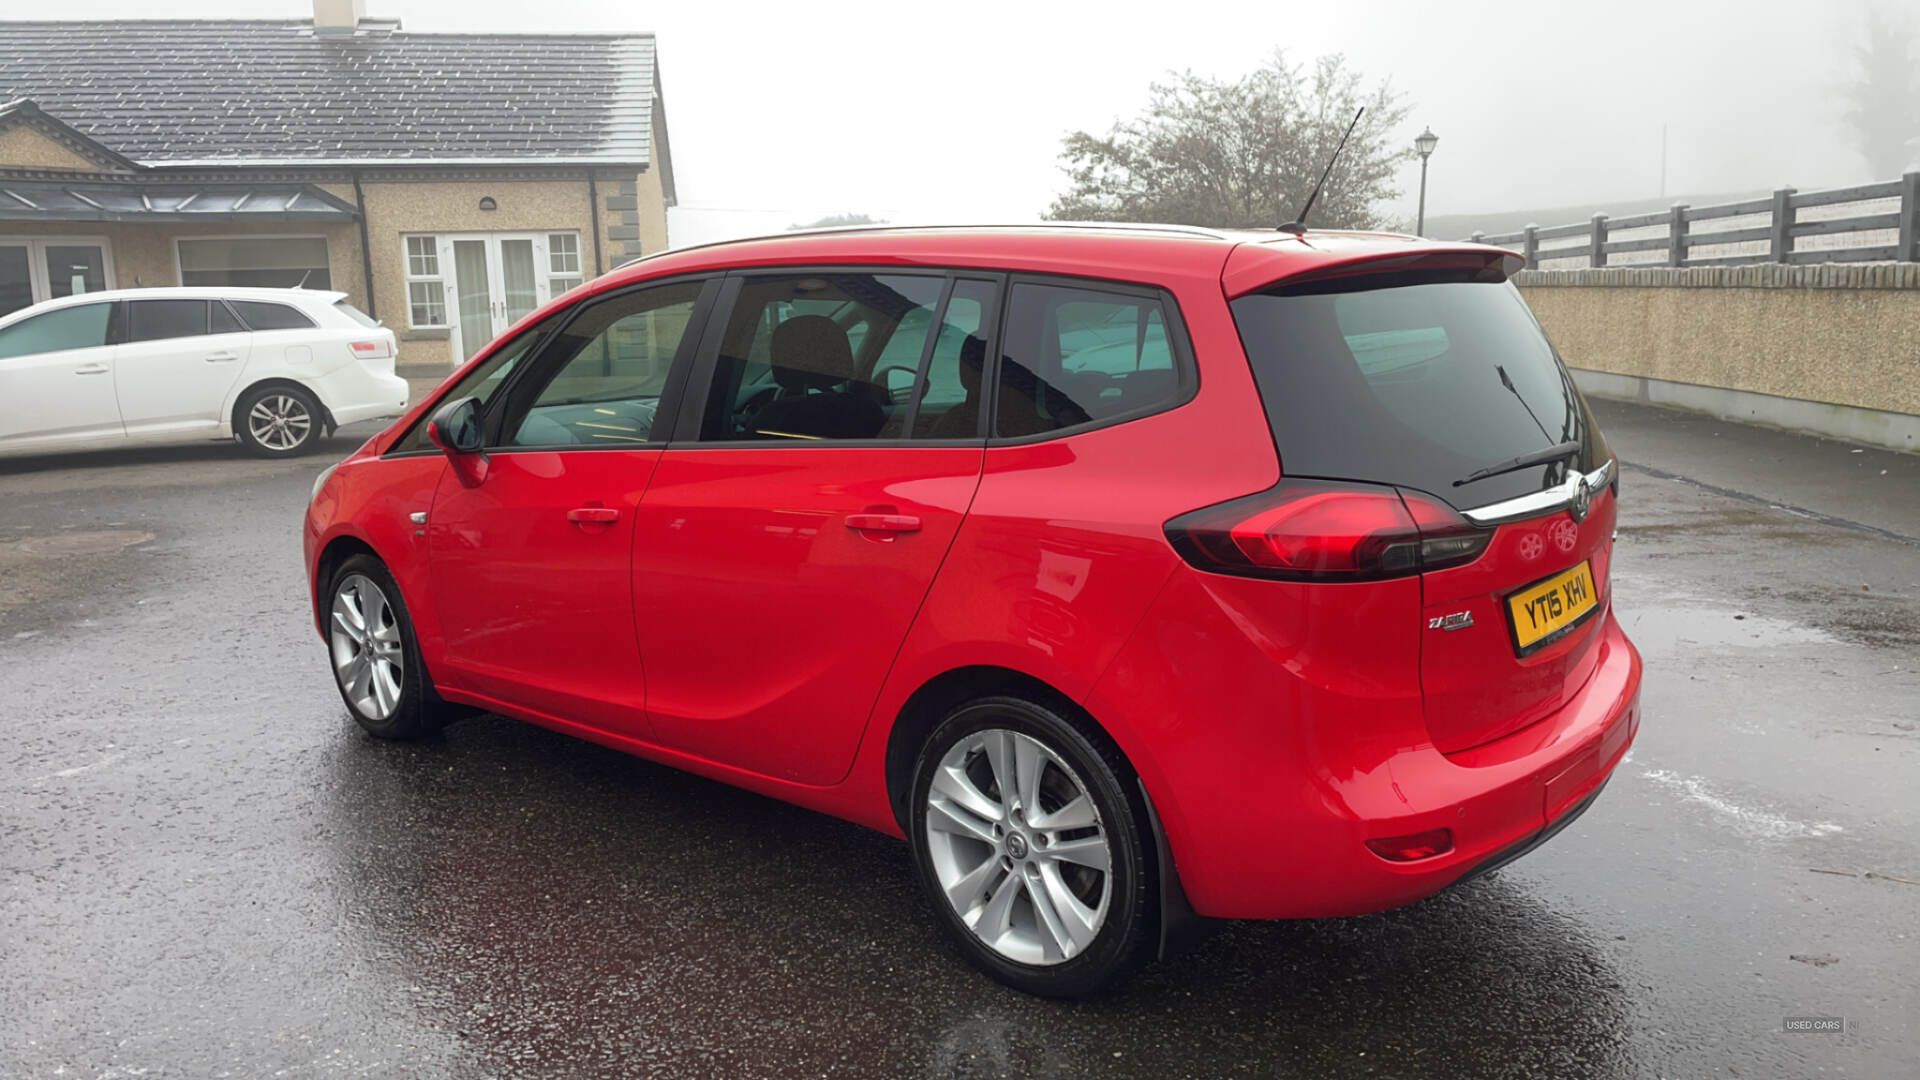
(600, 378)
(813, 356)
(950, 391)
(265, 315)
(80, 327)
(1081, 355)
(158, 320)
(484, 381)
(221, 321)
(1412, 384)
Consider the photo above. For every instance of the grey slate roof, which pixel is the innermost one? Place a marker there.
(206, 91)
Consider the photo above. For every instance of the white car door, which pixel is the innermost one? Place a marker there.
(177, 361)
(56, 380)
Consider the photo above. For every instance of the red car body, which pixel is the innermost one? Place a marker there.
(1277, 726)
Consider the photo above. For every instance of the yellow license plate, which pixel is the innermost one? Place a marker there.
(1545, 608)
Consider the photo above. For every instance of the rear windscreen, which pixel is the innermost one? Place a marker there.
(1403, 384)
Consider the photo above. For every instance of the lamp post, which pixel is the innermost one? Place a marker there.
(1425, 144)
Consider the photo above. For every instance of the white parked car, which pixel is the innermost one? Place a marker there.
(273, 368)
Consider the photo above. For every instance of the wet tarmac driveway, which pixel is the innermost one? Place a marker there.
(206, 870)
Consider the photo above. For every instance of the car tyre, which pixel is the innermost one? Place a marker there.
(278, 421)
(376, 657)
(1046, 881)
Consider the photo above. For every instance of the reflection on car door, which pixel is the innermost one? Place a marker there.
(774, 582)
(531, 566)
(179, 360)
(56, 380)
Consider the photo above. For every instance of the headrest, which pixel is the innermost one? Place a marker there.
(811, 352)
(973, 360)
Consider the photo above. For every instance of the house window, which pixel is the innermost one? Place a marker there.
(36, 269)
(478, 284)
(274, 262)
(426, 289)
(563, 261)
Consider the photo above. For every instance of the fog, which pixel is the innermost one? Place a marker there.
(781, 113)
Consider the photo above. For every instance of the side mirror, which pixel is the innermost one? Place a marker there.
(455, 429)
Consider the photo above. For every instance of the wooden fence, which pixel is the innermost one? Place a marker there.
(1872, 222)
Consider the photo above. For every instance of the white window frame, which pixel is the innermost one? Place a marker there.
(38, 286)
(180, 266)
(544, 277)
(443, 276)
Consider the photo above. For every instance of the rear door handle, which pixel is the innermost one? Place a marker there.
(222, 357)
(594, 515)
(884, 522)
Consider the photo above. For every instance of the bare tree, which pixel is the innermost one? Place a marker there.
(1241, 153)
(1885, 96)
(835, 221)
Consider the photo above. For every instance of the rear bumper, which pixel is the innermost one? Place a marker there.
(1268, 813)
(352, 394)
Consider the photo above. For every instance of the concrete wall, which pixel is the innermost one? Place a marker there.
(1844, 336)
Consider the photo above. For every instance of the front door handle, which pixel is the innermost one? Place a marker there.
(884, 522)
(222, 357)
(92, 369)
(594, 515)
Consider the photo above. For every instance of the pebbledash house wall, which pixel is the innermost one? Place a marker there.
(397, 202)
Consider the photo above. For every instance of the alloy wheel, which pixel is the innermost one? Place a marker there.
(1018, 847)
(365, 643)
(279, 421)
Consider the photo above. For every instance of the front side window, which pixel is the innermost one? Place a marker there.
(600, 377)
(266, 315)
(1078, 355)
(806, 357)
(158, 320)
(484, 381)
(80, 327)
(273, 262)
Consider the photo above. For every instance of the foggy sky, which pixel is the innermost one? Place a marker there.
(781, 113)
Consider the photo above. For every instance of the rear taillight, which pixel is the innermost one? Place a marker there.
(372, 349)
(1314, 530)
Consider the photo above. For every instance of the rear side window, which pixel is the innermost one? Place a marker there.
(80, 327)
(355, 313)
(158, 320)
(807, 357)
(1416, 384)
(266, 315)
(1078, 355)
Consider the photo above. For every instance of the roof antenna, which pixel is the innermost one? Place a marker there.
(1298, 226)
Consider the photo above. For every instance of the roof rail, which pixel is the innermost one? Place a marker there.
(1086, 226)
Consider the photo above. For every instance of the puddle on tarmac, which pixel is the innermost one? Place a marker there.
(1664, 629)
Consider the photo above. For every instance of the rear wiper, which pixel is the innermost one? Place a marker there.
(1553, 453)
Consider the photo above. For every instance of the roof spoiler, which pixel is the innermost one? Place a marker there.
(1268, 274)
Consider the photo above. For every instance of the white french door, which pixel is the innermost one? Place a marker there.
(497, 278)
(41, 268)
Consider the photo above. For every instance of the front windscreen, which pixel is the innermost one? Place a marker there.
(1414, 382)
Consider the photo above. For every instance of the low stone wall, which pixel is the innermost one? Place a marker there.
(1839, 336)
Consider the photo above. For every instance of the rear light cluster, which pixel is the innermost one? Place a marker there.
(1315, 530)
(374, 349)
